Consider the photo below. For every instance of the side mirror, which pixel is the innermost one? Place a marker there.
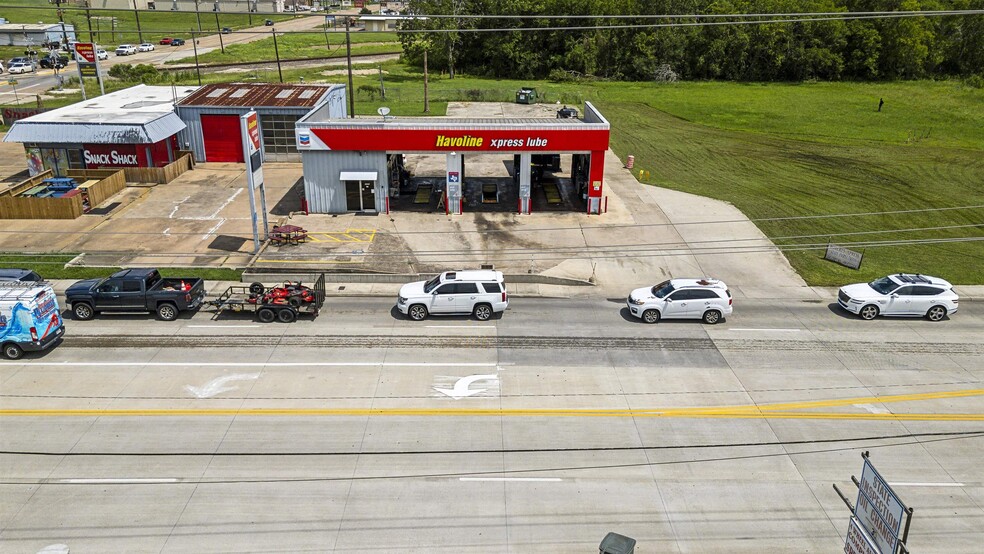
(895, 295)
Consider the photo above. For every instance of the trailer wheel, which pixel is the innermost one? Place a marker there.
(266, 315)
(12, 351)
(287, 315)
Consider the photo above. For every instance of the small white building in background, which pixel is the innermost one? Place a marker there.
(34, 34)
(380, 23)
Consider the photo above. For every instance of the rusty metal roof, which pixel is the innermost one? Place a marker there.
(258, 94)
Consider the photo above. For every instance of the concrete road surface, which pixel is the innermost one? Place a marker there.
(540, 431)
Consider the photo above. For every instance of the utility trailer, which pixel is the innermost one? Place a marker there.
(282, 302)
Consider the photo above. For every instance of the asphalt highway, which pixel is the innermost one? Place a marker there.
(539, 431)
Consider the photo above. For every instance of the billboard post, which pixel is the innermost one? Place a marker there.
(253, 154)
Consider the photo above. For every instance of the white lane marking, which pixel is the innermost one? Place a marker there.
(458, 327)
(213, 229)
(226, 203)
(461, 389)
(926, 484)
(873, 409)
(218, 385)
(516, 479)
(231, 326)
(750, 329)
(119, 481)
(265, 364)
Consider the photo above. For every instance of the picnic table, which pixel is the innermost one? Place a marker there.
(287, 234)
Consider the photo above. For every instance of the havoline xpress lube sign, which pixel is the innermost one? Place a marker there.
(435, 140)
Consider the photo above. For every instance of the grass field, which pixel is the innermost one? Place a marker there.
(303, 45)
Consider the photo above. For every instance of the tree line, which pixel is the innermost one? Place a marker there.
(859, 49)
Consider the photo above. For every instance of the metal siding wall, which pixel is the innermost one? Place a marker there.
(325, 193)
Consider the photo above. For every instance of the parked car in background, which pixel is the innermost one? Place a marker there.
(900, 294)
(145, 47)
(166, 40)
(135, 290)
(1, 67)
(53, 61)
(706, 299)
(126, 50)
(226, 30)
(21, 67)
(101, 54)
(29, 318)
(26, 275)
(177, 42)
(478, 292)
(18, 59)
(268, 22)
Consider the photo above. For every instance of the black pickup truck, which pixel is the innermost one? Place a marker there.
(135, 290)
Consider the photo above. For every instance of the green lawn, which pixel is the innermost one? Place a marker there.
(52, 266)
(302, 45)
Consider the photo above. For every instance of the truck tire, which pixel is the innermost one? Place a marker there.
(266, 315)
(167, 311)
(12, 351)
(83, 311)
(287, 315)
(256, 288)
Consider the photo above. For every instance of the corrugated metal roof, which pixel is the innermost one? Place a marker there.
(452, 123)
(33, 27)
(96, 132)
(258, 94)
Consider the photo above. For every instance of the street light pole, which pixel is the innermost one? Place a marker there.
(136, 14)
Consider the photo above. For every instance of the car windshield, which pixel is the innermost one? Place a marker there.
(662, 289)
(432, 284)
(883, 285)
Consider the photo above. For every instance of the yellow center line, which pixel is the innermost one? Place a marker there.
(786, 410)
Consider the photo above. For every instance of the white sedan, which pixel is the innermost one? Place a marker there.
(102, 54)
(145, 47)
(21, 67)
(900, 294)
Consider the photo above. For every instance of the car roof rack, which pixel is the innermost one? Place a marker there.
(917, 278)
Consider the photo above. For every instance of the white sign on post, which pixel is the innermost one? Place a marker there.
(250, 127)
(878, 510)
(858, 541)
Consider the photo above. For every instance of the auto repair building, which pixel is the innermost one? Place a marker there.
(347, 162)
(133, 127)
(212, 113)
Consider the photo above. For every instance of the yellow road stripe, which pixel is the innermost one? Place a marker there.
(850, 401)
(318, 261)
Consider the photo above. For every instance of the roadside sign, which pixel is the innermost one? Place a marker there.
(11, 82)
(249, 126)
(858, 540)
(844, 256)
(85, 51)
(879, 511)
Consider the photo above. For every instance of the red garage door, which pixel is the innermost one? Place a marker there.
(223, 142)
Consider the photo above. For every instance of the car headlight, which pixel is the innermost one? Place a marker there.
(636, 302)
(401, 300)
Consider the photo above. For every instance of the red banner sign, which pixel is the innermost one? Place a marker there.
(116, 155)
(253, 130)
(437, 140)
(86, 51)
(11, 115)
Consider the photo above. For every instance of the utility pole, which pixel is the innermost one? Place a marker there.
(194, 44)
(276, 53)
(61, 19)
(348, 56)
(382, 87)
(198, 14)
(221, 45)
(88, 20)
(426, 102)
(136, 14)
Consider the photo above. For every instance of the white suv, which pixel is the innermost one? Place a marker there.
(705, 299)
(900, 294)
(126, 50)
(478, 292)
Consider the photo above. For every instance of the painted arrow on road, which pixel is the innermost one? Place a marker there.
(218, 385)
(461, 389)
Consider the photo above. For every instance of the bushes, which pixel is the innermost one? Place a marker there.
(140, 73)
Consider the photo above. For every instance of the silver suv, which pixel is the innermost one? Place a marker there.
(705, 299)
(478, 292)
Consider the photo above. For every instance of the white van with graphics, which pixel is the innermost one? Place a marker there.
(479, 292)
(29, 317)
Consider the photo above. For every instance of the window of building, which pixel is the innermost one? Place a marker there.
(279, 142)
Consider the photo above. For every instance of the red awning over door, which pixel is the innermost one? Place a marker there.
(223, 141)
